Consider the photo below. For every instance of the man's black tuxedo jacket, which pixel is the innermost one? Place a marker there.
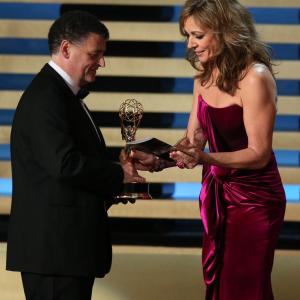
(61, 178)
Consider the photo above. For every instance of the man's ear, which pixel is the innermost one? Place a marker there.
(65, 48)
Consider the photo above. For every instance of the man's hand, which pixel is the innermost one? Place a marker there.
(129, 169)
(143, 161)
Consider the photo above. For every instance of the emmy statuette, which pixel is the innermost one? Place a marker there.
(131, 113)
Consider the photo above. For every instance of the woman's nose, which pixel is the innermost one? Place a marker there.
(191, 42)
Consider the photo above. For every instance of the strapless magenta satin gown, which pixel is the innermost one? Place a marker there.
(242, 211)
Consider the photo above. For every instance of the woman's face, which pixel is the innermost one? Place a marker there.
(199, 39)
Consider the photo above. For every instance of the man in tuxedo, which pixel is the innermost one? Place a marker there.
(63, 181)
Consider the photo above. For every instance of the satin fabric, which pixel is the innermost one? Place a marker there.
(242, 211)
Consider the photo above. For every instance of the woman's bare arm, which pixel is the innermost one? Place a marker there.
(258, 94)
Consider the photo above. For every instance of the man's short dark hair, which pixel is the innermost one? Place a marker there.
(74, 26)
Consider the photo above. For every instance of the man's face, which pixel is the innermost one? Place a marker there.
(85, 58)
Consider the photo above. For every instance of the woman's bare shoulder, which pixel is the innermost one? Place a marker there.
(256, 74)
(258, 83)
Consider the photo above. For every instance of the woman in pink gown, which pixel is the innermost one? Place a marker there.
(242, 200)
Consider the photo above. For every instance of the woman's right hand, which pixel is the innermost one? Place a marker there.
(187, 155)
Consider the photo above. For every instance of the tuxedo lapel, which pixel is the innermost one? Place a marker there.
(78, 100)
(92, 122)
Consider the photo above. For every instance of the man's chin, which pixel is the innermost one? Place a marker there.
(88, 80)
(91, 78)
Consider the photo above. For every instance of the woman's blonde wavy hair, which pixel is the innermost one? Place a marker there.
(239, 45)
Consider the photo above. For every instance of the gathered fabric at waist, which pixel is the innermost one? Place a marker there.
(246, 186)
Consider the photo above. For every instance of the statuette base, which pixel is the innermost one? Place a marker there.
(135, 190)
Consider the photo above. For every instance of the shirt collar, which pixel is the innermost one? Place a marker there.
(69, 81)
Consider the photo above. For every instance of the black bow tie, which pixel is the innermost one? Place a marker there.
(82, 93)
